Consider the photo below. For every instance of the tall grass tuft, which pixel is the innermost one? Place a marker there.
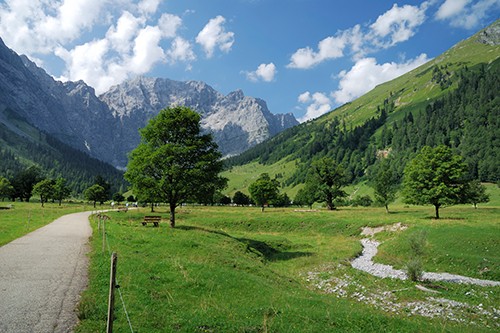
(417, 243)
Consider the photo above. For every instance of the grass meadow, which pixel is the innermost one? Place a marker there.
(24, 217)
(235, 269)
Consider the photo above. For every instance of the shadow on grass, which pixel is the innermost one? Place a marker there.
(271, 251)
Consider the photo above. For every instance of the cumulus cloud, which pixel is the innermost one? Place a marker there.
(148, 6)
(126, 28)
(135, 39)
(396, 25)
(214, 35)
(317, 105)
(465, 13)
(181, 50)
(328, 48)
(367, 73)
(265, 72)
(169, 24)
(451, 8)
(36, 26)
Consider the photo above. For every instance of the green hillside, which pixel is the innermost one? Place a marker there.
(452, 99)
(22, 146)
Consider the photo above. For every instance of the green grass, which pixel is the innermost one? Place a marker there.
(24, 217)
(464, 241)
(235, 269)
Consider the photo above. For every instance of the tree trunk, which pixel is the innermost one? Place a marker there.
(172, 215)
(262, 208)
(152, 207)
(437, 211)
(387, 209)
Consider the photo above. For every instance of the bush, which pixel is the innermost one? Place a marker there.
(417, 243)
(364, 201)
(414, 269)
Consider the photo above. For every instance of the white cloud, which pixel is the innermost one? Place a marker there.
(169, 24)
(127, 37)
(85, 62)
(451, 8)
(466, 14)
(40, 26)
(126, 29)
(367, 73)
(265, 72)
(328, 48)
(148, 6)
(319, 104)
(214, 35)
(181, 50)
(398, 24)
(147, 50)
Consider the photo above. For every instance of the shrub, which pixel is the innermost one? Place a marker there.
(414, 269)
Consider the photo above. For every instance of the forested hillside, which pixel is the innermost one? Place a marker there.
(22, 146)
(453, 100)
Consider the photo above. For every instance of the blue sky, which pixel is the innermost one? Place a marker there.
(301, 56)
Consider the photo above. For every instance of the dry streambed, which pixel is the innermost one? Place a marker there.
(337, 280)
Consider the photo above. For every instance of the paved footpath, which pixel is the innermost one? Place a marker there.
(42, 275)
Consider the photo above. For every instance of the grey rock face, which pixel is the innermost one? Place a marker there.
(490, 35)
(236, 121)
(107, 127)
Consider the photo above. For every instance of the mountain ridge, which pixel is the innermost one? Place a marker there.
(107, 126)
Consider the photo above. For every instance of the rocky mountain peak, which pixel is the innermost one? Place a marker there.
(107, 127)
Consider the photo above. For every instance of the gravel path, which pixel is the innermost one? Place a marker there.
(365, 262)
(42, 275)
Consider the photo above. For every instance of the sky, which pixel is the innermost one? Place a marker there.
(306, 57)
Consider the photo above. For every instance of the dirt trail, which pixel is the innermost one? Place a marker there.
(42, 275)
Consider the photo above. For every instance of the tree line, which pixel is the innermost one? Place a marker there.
(466, 120)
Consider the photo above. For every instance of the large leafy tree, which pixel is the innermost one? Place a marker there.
(174, 161)
(61, 190)
(6, 189)
(435, 176)
(24, 181)
(94, 193)
(327, 178)
(264, 190)
(45, 189)
(384, 182)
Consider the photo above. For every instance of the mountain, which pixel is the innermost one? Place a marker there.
(23, 145)
(237, 122)
(106, 127)
(453, 100)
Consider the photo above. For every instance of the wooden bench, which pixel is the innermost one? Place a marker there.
(152, 219)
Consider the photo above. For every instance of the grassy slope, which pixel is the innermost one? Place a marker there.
(412, 92)
(239, 270)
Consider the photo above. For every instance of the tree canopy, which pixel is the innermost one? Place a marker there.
(174, 162)
(435, 176)
(264, 190)
(384, 182)
(327, 179)
(94, 193)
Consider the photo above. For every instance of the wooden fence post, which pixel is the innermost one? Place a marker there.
(112, 286)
